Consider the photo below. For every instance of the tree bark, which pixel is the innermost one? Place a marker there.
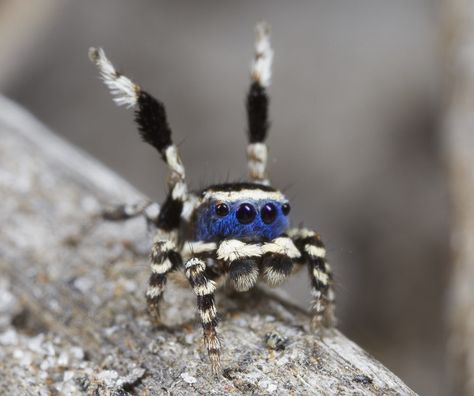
(72, 305)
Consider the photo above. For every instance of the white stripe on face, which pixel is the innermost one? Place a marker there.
(254, 195)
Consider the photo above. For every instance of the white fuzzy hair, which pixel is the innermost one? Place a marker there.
(124, 90)
(261, 70)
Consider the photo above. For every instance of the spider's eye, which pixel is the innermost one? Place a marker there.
(246, 213)
(285, 208)
(269, 213)
(222, 209)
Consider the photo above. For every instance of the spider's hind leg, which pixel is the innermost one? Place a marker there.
(257, 105)
(313, 253)
(150, 116)
(149, 211)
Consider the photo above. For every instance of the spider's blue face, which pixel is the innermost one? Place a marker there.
(243, 211)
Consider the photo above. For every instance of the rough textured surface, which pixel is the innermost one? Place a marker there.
(72, 307)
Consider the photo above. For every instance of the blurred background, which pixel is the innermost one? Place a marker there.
(355, 139)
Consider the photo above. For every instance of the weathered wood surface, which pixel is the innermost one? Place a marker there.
(72, 307)
(459, 136)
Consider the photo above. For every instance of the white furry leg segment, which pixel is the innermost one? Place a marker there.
(261, 71)
(204, 289)
(314, 254)
(164, 259)
(124, 91)
(257, 156)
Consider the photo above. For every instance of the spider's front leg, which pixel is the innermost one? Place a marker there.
(204, 288)
(164, 259)
(313, 253)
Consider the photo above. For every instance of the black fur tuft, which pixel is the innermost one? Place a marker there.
(170, 214)
(257, 113)
(150, 116)
(279, 263)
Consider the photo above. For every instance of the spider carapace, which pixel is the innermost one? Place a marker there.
(236, 231)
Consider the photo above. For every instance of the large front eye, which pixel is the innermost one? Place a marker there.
(222, 209)
(246, 213)
(269, 213)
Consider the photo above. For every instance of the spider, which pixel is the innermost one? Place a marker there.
(234, 231)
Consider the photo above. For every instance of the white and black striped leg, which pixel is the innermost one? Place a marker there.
(164, 259)
(149, 210)
(165, 256)
(278, 257)
(150, 115)
(257, 105)
(241, 262)
(204, 289)
(314, 254)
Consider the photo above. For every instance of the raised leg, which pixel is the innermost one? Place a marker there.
(313, 253)
(150, 116)
(257, 105)
(204, 289)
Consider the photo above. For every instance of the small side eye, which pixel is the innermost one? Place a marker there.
(285, 208)
(222, 209)
(246, 213)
